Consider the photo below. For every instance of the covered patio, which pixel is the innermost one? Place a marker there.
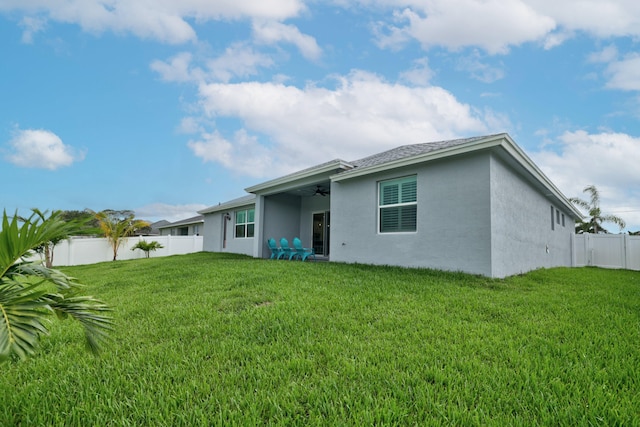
(296, 205)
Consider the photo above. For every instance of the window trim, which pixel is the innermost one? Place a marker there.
(380, 206)
(245, 224)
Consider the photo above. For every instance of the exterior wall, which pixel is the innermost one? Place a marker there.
(522, 234)
(281, 218)
(453, 228)
(213, 229)
(212, 232)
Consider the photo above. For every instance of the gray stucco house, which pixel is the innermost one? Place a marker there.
(478, 205)
(185, 227)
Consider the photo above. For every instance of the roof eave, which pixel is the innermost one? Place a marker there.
(228, 206)
(517, 153)
(500, 140)
(284, 181)
(469, 147)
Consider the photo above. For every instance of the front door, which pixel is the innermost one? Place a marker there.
(320, 237)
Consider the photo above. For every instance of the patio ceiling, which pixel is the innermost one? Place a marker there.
(319, 189)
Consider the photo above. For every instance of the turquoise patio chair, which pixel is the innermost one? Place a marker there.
(276, 252)
(301, 252)
(287, 252)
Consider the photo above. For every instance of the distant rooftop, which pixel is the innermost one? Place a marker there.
(192, 220)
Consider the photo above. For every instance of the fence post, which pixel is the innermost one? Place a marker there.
(625, 251)
(572, 239)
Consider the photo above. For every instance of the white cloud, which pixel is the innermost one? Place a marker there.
(607, 54)
(171, 213)
(271, 32)
(31, 25)
(420, 74)
(163, 20)
(178, 69)
(237, 61)
(480, 70)
(493, 25)
(624, 74)
(497, 25)
(243, 155)
(363, 114)
(602, 19)
(189, 125)
(607, 160)
(556, 38)
(36, 148)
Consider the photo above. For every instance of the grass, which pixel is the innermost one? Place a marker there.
(212, 339)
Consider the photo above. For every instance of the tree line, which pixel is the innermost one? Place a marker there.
(115, 225)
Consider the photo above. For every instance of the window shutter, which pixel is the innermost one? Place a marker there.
(408, 218)
(403, 194)
(409, 190)
(389, 220)
(389, 193)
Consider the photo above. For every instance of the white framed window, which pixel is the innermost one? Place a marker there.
(398, 205)
(245, 223)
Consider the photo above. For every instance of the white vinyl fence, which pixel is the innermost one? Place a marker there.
(79, 251)
(600, 250)
(607, 250)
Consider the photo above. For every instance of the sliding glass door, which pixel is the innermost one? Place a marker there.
(320, 237)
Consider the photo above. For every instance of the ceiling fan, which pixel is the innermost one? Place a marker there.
(320, 191)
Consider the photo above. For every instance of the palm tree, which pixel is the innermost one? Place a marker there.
(145, 246)
(116, 228)
(27, 298)
(596, 218)
(71, 227)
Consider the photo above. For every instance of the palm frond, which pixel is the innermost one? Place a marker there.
(24, 311)
(26, 299)
(90, 312)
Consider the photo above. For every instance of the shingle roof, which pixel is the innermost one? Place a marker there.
(192, 220)
(405, 151)
(244, 200)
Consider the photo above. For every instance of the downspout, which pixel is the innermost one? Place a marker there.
(226, 217)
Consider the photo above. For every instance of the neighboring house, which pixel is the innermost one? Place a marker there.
(478, 205)
(187, 227)
(155, 227)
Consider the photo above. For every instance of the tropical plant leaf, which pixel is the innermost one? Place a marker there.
(24, 311)
(26, 297)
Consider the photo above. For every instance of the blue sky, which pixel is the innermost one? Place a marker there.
(169, 106)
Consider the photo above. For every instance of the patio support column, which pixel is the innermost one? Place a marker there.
(258, 234)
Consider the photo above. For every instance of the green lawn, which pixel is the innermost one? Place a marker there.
(209, 339)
